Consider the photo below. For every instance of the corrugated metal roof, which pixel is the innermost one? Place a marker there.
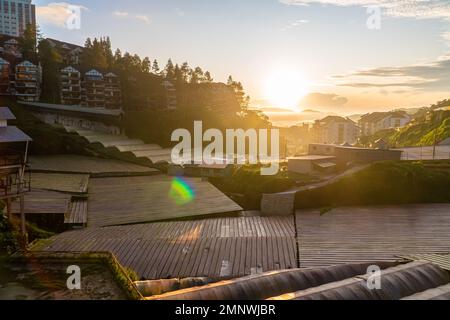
(396, 283)
(76, 108)
(441, 293)
(442, 260)
(6, 114)
(264, 286)
(13, 134)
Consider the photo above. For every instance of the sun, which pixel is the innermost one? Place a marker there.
(285, 89)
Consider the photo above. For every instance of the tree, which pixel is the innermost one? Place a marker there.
(230, 81)
(208, 78)
(155, 67)
(51, 63)
(28, 41)
(146, 65)
(185, 71)
(169, 70)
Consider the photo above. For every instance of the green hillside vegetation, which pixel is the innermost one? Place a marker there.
(251, 185)
(219, 105)
(46, 139)
(382, 184)
(423, 132)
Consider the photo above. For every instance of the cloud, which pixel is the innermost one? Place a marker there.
(428, 76)
(295, 24)
(122, 14)
(126, 15)
(420, 9)
(143, 18)
(56, 13)
(319, 100)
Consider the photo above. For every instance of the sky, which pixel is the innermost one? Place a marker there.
(327, 55)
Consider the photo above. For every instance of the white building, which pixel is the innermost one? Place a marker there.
(374, 122)
(15, 16)
(335, 130)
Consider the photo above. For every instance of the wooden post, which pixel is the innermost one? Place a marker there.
(8, 209)
(23, 227)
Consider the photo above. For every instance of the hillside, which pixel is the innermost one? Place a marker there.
(384, 183)
(423, 132)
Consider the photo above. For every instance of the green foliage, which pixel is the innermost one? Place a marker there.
(28, 41)
(51, 62)
(424, 132)
(46, 139)
(36, 233)
(249, 182)
(132, 274)
(384, 183)
(8, 237)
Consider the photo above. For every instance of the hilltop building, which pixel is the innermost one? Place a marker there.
(4, 77)
(16, 16)
(334, 129)
(93, 90)
(70, 53)
(10, 48)
(113, 91)
(70, 86)
(27, 81)
(171, 95)
(374, 122)
(327, 158)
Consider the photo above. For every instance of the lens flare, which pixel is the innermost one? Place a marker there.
(181, 192)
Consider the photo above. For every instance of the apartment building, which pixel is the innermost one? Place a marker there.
(27, 81)
(335, 130)
(15, 16)
(4, 77)
(70, 53)
(113, 91)
(70, 86)
(93, 90)
(171, 95)
(374, 122)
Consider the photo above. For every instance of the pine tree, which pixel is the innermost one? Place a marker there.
(208, 78)
(230, 81)
(169, 70)
(155, 67)
(146, 65)
(185, 71)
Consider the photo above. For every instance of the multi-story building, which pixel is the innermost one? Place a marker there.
(4, 77)
(27, 81)
(69, 52)
(335, 130)
(374, 122)
(15, 16)
(113, 92)
(93, 90)
(70, 86)
(171, 95)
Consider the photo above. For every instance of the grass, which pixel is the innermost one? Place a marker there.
(384, 183)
